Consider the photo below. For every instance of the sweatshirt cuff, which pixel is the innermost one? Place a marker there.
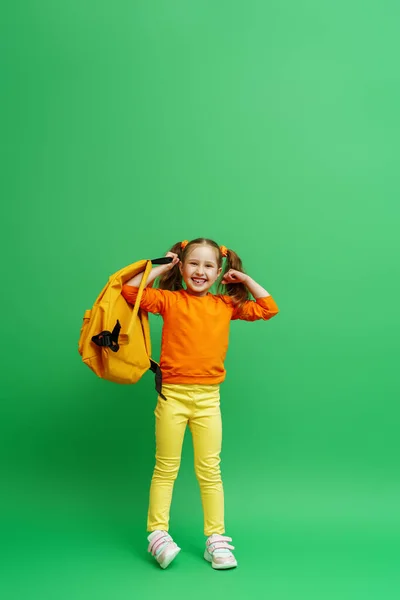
(267, 302)
(129, 292)
(130, 287)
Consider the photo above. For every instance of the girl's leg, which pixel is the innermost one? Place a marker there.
(206, 427)
(171, 420)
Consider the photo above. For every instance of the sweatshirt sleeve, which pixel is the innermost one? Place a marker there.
(253, 310)
(153, 300)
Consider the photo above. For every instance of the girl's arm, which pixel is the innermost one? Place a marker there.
(264, 307)
(255, 289)
(155, 272)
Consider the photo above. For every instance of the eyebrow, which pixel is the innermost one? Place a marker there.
(212, 262)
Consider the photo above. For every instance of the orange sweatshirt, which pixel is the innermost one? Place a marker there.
(196, 330)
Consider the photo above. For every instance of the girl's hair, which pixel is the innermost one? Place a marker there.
(172, 280)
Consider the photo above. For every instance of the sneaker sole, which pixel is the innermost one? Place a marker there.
(216, 566)
(168, 560)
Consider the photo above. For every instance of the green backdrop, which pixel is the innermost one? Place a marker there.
(273, 128)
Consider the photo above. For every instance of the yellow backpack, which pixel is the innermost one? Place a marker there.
(115, 336)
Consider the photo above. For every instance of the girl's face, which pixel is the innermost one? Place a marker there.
(200, 270)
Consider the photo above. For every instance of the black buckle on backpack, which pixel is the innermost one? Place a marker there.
(108, 339)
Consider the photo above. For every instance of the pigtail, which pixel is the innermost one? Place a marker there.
(172, 279)
(237, 291)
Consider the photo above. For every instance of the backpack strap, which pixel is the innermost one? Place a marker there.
(139, 298)
(164, 260)
(156, 261)
(153, 365)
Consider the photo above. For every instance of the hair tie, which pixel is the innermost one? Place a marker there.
(224, 250)
(184, 244)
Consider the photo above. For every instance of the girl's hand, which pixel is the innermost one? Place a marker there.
(175, 261)
(233, 276)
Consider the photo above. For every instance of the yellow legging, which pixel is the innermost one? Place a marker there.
(199, 407)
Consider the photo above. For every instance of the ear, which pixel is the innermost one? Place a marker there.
(219, 271)
(180, 265)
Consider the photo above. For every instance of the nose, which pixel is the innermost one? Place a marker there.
(199, 270)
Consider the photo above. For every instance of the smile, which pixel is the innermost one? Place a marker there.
(198, 280)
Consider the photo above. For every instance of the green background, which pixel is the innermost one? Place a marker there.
(272, 127)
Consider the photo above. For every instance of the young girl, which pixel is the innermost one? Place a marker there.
(194, 344)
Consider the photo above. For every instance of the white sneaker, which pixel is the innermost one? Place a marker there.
(218, 552)
(162, 547)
